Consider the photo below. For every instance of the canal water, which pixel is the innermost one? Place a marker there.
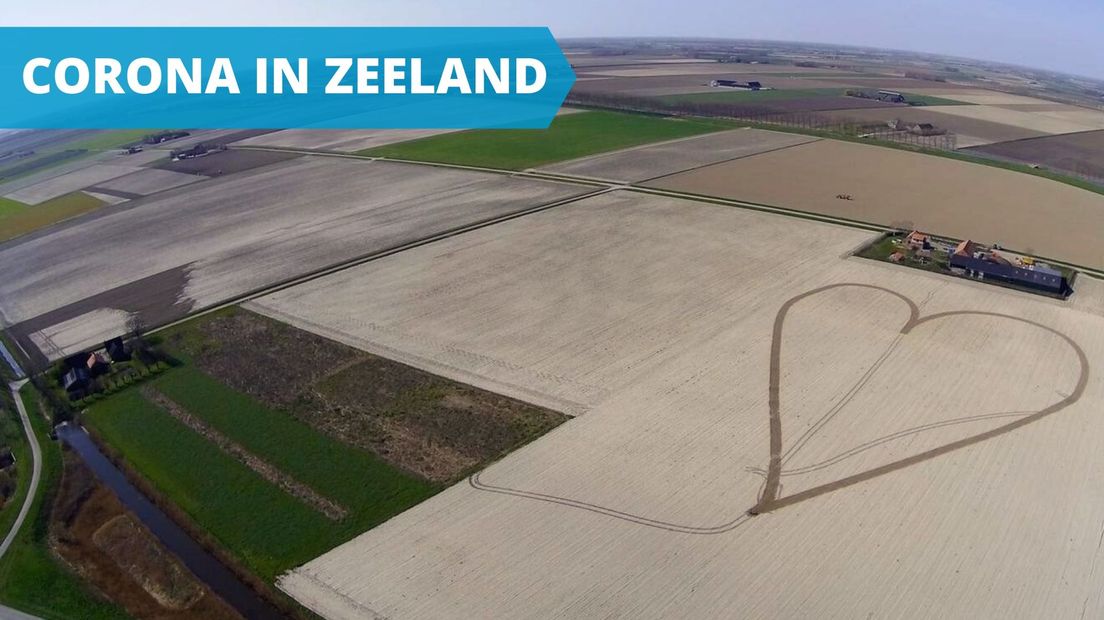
(220, 579)
(4, 353)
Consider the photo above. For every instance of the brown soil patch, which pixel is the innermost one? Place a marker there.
(99, 540)
(1079, 153)
(263, 468)
(420, 422)
(909, 190)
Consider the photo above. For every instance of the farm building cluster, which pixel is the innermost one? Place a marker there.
(977, 261)
(749, 85)
(80, 369)
(974, 260)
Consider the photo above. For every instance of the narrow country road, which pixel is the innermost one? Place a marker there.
(36, 468)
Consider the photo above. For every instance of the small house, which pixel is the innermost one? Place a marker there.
(117, 350)
(97, 365)
(76, 380)
(917, 240)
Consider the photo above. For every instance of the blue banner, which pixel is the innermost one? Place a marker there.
(278, 78)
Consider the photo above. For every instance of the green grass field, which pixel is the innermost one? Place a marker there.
(17, 219)
(223, 496)
(930, 100)
(570, 136)
(31, 579)
(111, 139)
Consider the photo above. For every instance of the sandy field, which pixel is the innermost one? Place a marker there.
(234, 234)
(73, 181)
(892, 187)
(655, 160)
(344, 141)
(921, 447)
(149, 181)
(1051, 122)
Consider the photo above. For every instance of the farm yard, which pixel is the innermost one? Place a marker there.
(910, 190)
(654, 320)
(193, 248)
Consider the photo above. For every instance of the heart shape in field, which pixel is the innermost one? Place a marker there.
(770, 498)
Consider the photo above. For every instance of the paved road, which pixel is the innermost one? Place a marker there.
(36, 469)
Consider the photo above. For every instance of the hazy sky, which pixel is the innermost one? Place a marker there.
(1065, 35)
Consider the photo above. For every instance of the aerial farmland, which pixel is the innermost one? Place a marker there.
(271, 230)
(667, 362)
(638, 364)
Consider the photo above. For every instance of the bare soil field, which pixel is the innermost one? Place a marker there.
(980, 96)
(808, 104)
(909, 85)
(95, 536)
(1079, 153)
(149, 181)
(970, 131)
(78, 333)
(582, 60)
(890, 187)
(1044, 121)
(921, 428)
(238, 233)
(70, 182)
(704, 68)
(433, 427)
(343, 141)
(684, 84)
(655, 160)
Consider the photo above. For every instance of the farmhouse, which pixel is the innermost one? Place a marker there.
(736, 84)
(917, 240)
(890, 96)
(974, 260)
(76, 380)
(117, 350)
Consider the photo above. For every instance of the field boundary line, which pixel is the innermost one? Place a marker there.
(737, 158)
(360, 260)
